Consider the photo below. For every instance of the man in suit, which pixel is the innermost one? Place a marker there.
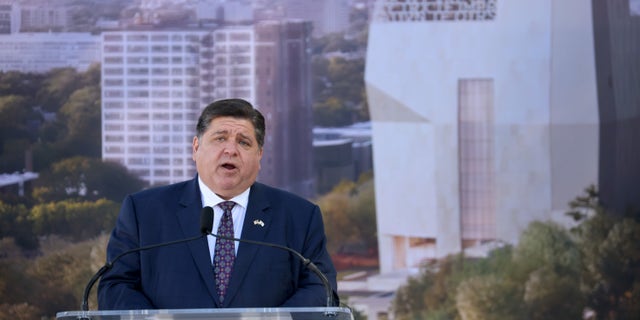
(227, 150)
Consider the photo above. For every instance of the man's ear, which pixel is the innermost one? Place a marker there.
(194, 147)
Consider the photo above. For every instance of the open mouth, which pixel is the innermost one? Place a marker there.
(228, 166)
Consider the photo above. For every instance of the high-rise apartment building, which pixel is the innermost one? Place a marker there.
(9, 17)
(151, 98)
(327, 16)
(41, 52)
(283, 93)
(44, 16)
(232, 65)
(155, 83)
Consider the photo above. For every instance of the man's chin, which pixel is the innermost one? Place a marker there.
(227, 190)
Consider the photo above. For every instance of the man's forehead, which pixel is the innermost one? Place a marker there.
(227, 125)
(231, 121)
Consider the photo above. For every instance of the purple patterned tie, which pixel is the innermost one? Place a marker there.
(225, 252)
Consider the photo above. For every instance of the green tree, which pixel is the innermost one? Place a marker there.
(610, 254)
(37, 288)
(56, 88)
(334, 42)
(19, 84)
(548, 265)
(74, 220)
(489, 297)
(56, 279)
(549, 294)
(82, 115)
(511, 283)
(435, 292)
(15, 224)
(362, 213)
(409, 302)
(546, 244)
(75, 131)
(335, 215)
(332, 113)
(340, 92)
(86, 179)
(338, 78)
(60, 275)
(350, 211)
(15, 284)
(611, 262)
(74, 99)
(20, 311)
(17, 131)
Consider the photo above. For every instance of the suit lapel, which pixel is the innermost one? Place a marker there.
(189, 220)
(255, 227)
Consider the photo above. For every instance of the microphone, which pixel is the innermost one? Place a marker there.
(207, 217)
(206, 222)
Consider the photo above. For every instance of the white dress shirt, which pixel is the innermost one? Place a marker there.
(209, 198)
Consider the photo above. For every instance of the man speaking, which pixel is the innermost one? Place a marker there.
(212, 272)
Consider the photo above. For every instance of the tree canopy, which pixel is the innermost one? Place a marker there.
(553, 273)
(48, 117)
(338, 81)
(350, 211)
(85, 178)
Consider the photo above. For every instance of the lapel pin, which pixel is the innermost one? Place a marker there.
(258, 222)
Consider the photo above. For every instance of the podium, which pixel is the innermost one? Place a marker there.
(323, 313)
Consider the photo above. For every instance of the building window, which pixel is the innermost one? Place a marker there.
(113, 127)
(161, 38)
(113, 71)
(112, 49)
(137, 49)
(112, 37)
(435, 10)
(137, 82)
(162, 172)
(138, 94)
(137, 60)
(137, 37)
(160, 49)
(160, 82)
(113, 138)
(113, 82)
(137, 105)
(113, 60)
(476, 163)
(113, 93)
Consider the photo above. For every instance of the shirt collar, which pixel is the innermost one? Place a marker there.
(210, 198)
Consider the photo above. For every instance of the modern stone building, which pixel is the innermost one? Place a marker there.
(485, 118)
(617, 59)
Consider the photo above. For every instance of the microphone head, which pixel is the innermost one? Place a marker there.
(206, 220)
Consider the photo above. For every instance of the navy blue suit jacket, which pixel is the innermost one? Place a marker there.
(181, 276)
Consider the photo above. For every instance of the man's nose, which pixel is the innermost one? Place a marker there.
(230, 147)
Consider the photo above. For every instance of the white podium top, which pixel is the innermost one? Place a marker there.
(320, 313)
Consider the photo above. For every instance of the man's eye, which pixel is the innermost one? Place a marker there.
(245, 143)
(219, 139)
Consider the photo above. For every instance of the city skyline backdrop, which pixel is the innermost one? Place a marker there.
(486, 115)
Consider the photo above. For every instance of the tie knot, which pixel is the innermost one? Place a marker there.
(227, 205)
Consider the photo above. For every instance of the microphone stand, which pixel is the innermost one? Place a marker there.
(206, 222)
(305, 261)
(109, 265)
